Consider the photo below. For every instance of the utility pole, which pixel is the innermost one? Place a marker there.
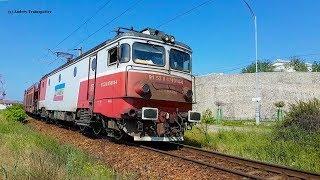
(257, 99)
(2, 90)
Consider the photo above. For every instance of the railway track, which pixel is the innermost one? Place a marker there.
(235, 165)
(241, 167)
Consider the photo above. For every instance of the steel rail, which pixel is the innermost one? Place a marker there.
(232, 171)
(282, 170)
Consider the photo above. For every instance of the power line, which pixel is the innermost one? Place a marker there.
(84, 23)
(81, 25)
(234, 67)
(109, 22)
(300, 55)
(42, 57)
(250, 9)
(243, 64)
(184, 13)
(55, 58)
(115, 18)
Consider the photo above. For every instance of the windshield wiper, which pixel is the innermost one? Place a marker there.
(154, 46)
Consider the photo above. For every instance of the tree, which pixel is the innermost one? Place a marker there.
(298, 65)
(263, 66)
(316, 66)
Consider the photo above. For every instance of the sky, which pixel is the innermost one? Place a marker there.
(221, 32)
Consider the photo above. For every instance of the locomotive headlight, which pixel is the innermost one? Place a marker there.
(165, 38)
(145, 88)
(172, 39)
(142, 89)
(168, 38)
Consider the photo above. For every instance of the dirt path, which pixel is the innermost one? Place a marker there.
(142, 163)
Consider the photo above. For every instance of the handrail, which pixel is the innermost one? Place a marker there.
(194, 89)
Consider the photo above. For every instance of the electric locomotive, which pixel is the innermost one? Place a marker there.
(138, 84)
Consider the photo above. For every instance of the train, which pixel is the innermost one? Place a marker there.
(139, 84)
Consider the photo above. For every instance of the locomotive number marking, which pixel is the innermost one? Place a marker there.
(165, 79)
(109, 83)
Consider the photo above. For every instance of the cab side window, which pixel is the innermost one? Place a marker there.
(94, 64)
(113, 55)
(124, 53)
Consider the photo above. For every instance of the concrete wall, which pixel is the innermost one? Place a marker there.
(236, 92)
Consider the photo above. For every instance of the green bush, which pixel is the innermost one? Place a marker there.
(15, 113)
(263, 66)
(292, 142)
(279, 104)
(298, 64)
(304, 115)
(207, 117)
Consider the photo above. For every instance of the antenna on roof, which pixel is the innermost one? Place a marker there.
(2, 91)
(65, 55)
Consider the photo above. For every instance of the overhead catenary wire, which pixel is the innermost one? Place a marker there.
(131, 7)
(112, 20)
(109, 22)
(242, 65)
(79, 27)
(300, 55)
(84, 23)
(184, 13)
(55, 58)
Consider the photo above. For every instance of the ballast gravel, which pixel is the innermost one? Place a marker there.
(125, 159)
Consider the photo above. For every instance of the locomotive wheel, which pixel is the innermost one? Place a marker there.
(96, 127)
(118, 135)
(83, 129)
(56, 122)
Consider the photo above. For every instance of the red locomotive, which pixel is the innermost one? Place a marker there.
(137, 84)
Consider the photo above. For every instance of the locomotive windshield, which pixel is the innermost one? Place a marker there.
(179, 60)
(148, 54)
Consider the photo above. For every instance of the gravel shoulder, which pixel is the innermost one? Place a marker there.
(139, 163)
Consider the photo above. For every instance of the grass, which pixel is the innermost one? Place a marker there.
(26, 154)
(291, 147)
(245, 123)
(209, 118)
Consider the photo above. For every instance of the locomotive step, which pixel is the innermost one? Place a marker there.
(82, 124)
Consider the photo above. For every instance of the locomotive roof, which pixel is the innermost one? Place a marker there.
(121, 34)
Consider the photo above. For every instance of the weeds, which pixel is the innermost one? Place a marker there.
(25, 154)
(304, 115)
(298, 149)
(291, 142)
(15, 113)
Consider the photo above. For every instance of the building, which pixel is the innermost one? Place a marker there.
(6, 103)
(281, 65)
